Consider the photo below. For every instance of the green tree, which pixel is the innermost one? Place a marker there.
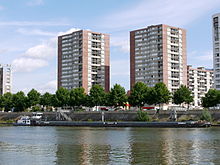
(20, 101)
(54, 101)
(151, 96)
(7, 101)
(211, 98)
(117, 96)
(107, 101)
(159, 94)
(46, 99)
(88, 101)
(182, 95)
(138, 94)
(33, 98)
(77, 97)
(96, 96)
(1, 101)
(36, 109)
(61, 98)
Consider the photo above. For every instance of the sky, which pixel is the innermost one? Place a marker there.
(29, 30)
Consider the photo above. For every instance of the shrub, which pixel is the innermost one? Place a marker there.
(143, 116)
(36, 109)
(206, 116)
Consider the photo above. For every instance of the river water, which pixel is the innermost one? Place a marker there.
(113, 146)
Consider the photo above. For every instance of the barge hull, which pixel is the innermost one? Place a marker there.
(123, 124)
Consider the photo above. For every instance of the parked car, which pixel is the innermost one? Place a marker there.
(148, 108)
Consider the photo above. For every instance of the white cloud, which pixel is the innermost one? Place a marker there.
(199, 58)
(121, 42)
(25, 64)
(40, 51)
(204, 56)
(38, 56)
(68, 31)
(35, 2)
(31, 31)
(144, 13)
(35, 32)
(46, 50)
(50, 86)
(33, 23)
(172, 12)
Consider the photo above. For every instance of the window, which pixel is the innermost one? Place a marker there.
(217, 75)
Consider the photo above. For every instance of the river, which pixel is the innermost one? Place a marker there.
(94, 146)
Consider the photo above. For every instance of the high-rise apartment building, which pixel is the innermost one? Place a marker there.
(200, 80)
(158, 54)
(83, 60)
(216, 51)
(5, 79)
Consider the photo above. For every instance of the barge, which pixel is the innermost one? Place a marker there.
(187, 124)
(29, 121)
(37, 120)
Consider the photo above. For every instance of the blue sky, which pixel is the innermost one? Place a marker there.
(29, 30)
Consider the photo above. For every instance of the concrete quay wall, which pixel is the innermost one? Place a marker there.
(112, 116)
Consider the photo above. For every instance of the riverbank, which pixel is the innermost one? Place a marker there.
(163, 116)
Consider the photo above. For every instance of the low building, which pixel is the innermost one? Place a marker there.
(5, 79)
(199, 81)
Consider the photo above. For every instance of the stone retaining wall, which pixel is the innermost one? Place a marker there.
(111, 116)
(16, 115)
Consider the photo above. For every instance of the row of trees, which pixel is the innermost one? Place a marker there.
(159, 94)
(139, 96)
(19, 101)
(211, 99)
(64, 98)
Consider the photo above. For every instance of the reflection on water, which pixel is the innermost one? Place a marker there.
(27, 145)
(72, 145)
(93, 146)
